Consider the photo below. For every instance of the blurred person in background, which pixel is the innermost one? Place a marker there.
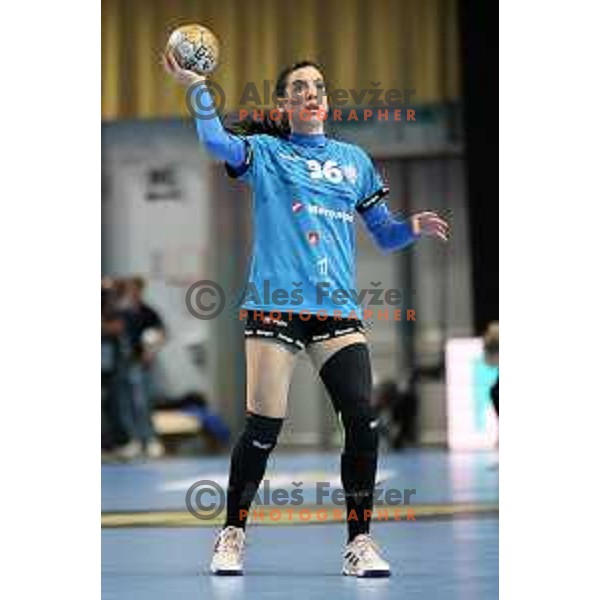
(213, 429)
(114, 426)
(491, 352)
(397, 410)
(145, 335)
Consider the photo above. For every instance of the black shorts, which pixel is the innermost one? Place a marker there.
(299, 331)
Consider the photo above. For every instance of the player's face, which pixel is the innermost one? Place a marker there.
(306, 100)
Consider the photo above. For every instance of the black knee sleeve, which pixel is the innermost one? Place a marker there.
(248, 463)
(347, 377)
(260, 432)
(250, 455)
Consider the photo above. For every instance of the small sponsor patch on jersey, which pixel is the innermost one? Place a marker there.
(297, 206)
(313, 237)
(321, 211)
(350, 173)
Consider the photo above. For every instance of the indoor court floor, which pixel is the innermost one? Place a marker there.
(152, 547)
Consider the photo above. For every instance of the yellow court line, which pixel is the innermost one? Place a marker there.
(297, 516)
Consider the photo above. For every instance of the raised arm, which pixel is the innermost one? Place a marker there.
(220, 143)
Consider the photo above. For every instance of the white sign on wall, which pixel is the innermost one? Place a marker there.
(472, 421)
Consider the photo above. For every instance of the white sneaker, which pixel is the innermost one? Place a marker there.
(362, 558)
(155, 449)
(129, 451)
(228, 556)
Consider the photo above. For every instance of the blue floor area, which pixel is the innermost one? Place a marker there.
(437, 476)
(441, 559)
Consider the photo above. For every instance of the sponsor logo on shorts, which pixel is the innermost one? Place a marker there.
(344, 331)
(318, 338)
(272, 321)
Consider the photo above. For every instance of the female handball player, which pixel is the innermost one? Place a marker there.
(307, 187)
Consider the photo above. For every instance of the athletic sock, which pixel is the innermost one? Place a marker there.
(358, 478)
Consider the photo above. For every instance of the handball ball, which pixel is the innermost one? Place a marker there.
(195, 48)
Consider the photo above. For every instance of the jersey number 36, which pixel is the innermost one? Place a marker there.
(328, 170)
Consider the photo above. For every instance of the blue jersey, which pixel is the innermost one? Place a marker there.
(307, 191)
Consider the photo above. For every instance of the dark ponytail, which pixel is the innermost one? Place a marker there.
(268, 126)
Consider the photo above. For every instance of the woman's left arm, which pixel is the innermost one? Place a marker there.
(390, 234)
